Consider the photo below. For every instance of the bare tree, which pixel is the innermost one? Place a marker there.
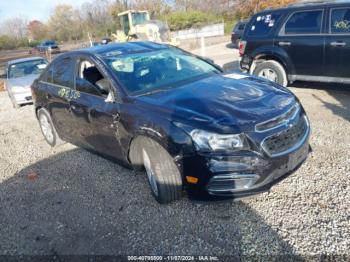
(15, 27)
(64, 23)
(36, 30)
(97, 17)
(155, 7)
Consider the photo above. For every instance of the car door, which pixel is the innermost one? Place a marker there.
(302, 40)
(96, 115)
(58, 83)
(338, 43)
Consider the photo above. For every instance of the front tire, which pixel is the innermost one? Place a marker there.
(163, 175)
(273, 71)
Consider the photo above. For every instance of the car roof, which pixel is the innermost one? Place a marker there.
(244, 21)
(26, 59)
(309, 4)
(122, 48)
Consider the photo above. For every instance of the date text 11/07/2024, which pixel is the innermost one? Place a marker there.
(173, 258)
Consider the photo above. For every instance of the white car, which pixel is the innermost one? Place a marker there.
(20, 75)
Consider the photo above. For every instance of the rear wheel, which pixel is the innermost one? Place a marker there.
(163, 175)
(47, 128)
(273, 71)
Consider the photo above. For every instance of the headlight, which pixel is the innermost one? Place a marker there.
(215, 142)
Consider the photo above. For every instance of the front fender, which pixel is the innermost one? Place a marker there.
(173, 139)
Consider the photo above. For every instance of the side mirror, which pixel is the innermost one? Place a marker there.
(211, 61)
(104, 85)
(110, 98)
(85, 86)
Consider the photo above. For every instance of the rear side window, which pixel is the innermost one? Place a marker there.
(263, 24)
(304, 22)
(241, 27)
(47, 75)
(64, 72)
(340, 21)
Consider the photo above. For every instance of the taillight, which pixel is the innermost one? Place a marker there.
(242, 45)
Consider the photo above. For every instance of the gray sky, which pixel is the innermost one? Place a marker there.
(32, 9)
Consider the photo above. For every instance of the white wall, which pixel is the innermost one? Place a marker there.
(206, 31)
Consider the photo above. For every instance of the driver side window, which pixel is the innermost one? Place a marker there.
(90, 80)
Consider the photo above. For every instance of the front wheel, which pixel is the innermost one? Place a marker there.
(163, 175)
(273, 71)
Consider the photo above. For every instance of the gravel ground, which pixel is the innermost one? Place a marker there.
(65, 200)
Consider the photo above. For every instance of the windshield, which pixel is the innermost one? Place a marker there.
(139, 18)
(49, 43)
(27, 68)
(157, 70)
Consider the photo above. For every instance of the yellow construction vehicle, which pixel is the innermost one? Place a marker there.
(137, 26)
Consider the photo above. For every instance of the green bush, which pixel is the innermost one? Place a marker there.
(34, 43)
(8, 43)
(190, 19)
(229, 24)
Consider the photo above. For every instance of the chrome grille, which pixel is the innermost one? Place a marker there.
(278, 121)
(286, 140)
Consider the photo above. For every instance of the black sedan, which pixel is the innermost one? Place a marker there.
(175, 115)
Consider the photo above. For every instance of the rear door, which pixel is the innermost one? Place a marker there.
(58, 82)
(302, 39)
(338, 43)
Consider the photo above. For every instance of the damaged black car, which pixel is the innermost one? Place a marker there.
(177, 116)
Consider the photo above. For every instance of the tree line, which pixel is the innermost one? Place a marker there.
(100, 18)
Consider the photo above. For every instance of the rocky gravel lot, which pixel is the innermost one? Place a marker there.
(65, 200)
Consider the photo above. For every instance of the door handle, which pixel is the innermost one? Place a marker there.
(338, 44)
(284, 43)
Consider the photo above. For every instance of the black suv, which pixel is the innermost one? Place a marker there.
(175, 115)
(307, 42)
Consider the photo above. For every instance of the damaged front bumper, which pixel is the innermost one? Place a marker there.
(245, 173)
(258, 178)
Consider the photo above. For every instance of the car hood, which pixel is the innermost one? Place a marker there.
(21, 83)
(222, 103)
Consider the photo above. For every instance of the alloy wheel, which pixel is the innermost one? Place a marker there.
(46, 127)
(269, 74)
